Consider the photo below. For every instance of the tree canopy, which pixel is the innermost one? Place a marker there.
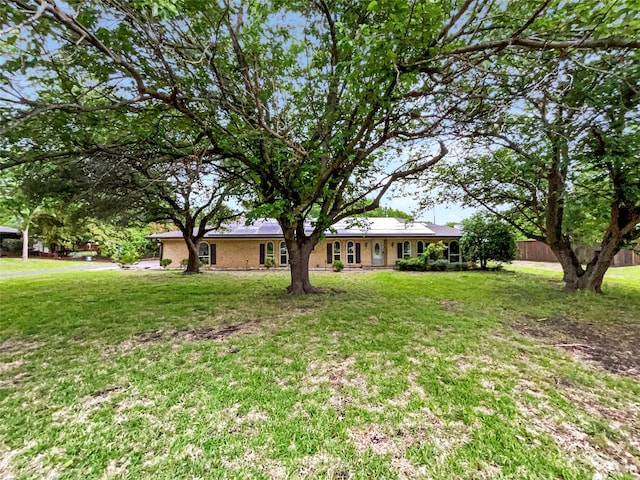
(313, 103)
(486, 238)
(563, 165)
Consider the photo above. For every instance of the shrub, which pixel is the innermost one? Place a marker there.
(411, 265)
(338, 266)
(165, 262)
(434, 251)
(458, 267)
(127, 258)
(269, 262)
(184, 262)
(437, 266)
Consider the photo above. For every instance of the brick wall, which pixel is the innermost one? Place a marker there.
(245, 253)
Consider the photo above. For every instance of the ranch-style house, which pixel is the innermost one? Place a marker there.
(365, 243)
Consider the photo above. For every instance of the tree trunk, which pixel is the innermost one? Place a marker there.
(25, 244)
(590, 279)
(193, 264)
(299, 246)
(299, 270)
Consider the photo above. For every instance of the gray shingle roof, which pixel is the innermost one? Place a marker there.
(360, 227)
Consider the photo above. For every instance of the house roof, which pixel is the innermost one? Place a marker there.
(352, 227)
(8, 230)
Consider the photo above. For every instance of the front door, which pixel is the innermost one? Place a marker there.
(377, 253)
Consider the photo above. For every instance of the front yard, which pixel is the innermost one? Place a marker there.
(385, 375)
(13, 265)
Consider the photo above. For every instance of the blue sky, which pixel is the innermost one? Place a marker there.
(444, 213)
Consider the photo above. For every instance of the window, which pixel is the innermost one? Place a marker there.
(351, 252)
(454, 252)
(266, 250)
(203, 253)
(284, 254)
(406, 249)
(420, 247)
(336, 251)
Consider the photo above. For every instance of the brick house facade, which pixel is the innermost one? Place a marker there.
(372, 242)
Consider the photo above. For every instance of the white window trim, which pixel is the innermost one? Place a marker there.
(404, 251)
(207, 256)
(266, 250)
(286, 255)
(351, 255)
(337, 256)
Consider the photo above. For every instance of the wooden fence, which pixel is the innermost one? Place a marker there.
(534, 251)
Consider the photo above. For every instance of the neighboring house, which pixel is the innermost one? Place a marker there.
(8, 233)
(372, 242)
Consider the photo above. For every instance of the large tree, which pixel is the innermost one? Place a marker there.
(310, 99)
(563, 166)
(19, 206)
(183, 188)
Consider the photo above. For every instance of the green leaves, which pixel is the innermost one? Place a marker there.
(486, 239)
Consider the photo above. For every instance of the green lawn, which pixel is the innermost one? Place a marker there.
(628, 276)
(385, 375)
(10, 265)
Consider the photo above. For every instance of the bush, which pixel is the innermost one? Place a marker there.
(437, 266)
(338, 266)
(184, 262)
(458, 267)
(423, 264)
(127, 258)
(434, 251)
(411, 265)
(269, 262)
(165, 262)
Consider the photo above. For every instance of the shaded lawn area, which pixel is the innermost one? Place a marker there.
(385, 375)
(10, 265)
(629, 276)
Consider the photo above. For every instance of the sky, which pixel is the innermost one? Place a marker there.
(443, 213)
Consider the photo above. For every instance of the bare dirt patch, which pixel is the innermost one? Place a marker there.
(81, 411)
(212, 333)
(607, 458)
(419, 427)
(197, 334)
(18, 348)
(337, 375)
(611, 346)
(451, 306)
(8, 366)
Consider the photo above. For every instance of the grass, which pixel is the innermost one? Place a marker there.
(385, 375)
(11, 265)
(627, 276)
